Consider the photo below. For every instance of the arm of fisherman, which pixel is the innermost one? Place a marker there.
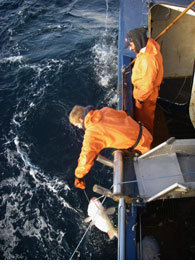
(92, 145)
(143, 79)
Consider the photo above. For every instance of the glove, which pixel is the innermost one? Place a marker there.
(79, 183)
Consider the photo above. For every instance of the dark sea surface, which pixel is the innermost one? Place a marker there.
(53, 55)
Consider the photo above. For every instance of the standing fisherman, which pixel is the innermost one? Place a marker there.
(147, 75)
(105, 128)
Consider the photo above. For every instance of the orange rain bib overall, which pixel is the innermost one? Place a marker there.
(147, 75)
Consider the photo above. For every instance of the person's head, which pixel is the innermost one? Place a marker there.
(76, 116)
(136, 39)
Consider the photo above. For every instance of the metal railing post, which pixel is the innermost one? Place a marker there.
(118, 173)
(118, 191)
(121, 229)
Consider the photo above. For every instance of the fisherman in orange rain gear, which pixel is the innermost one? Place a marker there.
(105, 128)
(147, 75)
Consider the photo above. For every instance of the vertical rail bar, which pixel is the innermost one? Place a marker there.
(121, 229)
(131, 230)
(118, 173)
(118, 190)
(140, 238)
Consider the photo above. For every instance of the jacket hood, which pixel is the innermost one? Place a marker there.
(138, 37)
(86, 111)
(152, 46)
(94, 116)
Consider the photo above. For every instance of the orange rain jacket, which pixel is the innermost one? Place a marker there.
(147, 75)
(109, 128)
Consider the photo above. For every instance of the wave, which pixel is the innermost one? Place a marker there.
(23, 215)
(105, 52)
(105, 62)
(12, 59)
(48, 62)
(40, 179)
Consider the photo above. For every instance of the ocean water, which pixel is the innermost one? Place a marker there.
(53, 55)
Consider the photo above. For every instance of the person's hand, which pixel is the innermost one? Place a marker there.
(79, 183)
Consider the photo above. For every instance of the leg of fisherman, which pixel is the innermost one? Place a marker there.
(105, 128)
(145, 113)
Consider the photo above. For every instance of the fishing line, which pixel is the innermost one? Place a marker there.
(86, 230)
(80, 241)
(86, 195)
(180, 90)
(155, 178)
(100, 197)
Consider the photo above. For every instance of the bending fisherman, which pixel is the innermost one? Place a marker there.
(105, 128)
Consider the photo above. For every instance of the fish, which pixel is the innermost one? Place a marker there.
(99, 217)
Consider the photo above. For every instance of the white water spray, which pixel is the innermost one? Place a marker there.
(105, 55)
